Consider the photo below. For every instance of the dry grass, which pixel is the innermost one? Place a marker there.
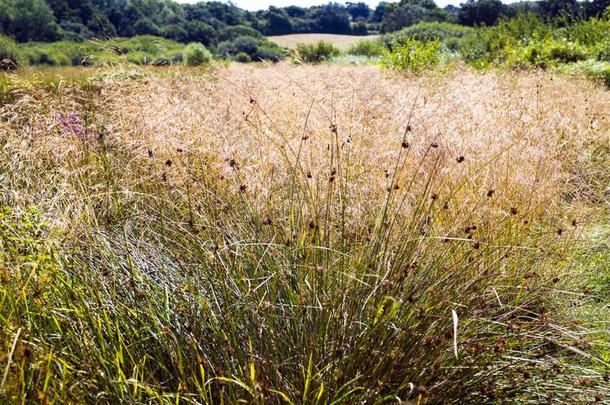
(342, 42)
(295, 233)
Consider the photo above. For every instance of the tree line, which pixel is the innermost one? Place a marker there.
(213, 22)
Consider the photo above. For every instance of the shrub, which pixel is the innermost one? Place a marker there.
(603, 51)
(428, 31)
(268, 52)
(196, 54)
(9, 54)
(367, 47)
(243, 57)
(598, 71)
(317, 52)
(412, 56)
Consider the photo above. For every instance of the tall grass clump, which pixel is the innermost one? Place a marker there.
(318, 234)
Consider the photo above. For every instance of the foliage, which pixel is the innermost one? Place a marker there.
(28, 20)
(9, 53)
(367, 47)
(409, 13)
(256, 48)
(196, 54)
(482, 12)
(316, 52)
(412, 56)
(447, 33)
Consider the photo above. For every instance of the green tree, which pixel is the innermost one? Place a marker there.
(481, 12)
(28, 20)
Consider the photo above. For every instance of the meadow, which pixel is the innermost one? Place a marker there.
(342, 42)
(289, 233)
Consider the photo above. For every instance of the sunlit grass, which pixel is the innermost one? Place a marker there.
(294, 234)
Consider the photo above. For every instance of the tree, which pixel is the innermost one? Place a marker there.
(278, 22)
(333, 18)
(28, 20)
(358, 10)
(481, 12)
(559, 8)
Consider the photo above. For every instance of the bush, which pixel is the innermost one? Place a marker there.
(196, 54)
(268, 52)
(367, 47)
(255, 48)
(243, 57)
(412, 56)
(9, 54)
(316, 53)
(428, 31)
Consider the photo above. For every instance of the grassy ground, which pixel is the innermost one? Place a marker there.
(303, 234)
(342, 42)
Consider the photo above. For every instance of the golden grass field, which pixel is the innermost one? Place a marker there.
(301, 234)
(343, 42)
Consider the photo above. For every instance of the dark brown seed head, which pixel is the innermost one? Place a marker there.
(405, 144)
(150, 153)
(242, 188)
(513, 211)
(446, 205)
(559, 232)
(460, 159)
(574, 223)
(490, 193)
(434, 145)
(476, 244)
(396, 186)
(168, 162)
(409, 129)
(434, 196)
(179, 150)
(309, 175)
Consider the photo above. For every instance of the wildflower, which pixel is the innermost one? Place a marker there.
(73, 124)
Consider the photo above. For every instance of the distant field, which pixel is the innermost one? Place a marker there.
(340, 41)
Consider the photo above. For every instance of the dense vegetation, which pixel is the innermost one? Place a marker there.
(213, 22)
(311, 234)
